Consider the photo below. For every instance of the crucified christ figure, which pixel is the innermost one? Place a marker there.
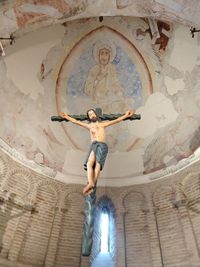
(98, 150)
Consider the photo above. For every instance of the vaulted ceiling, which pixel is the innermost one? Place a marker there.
(169, 101)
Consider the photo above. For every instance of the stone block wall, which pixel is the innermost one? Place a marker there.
(152, 225)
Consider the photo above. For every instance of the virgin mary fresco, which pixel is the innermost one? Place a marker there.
(104, 77)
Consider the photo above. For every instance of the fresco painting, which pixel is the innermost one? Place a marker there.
(109, 72)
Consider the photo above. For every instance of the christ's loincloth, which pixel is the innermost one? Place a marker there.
(100, 150)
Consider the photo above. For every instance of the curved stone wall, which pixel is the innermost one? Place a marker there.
(152, 225)
(159, 78)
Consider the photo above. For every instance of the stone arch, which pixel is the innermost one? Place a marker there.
(65, 194)
(135, 197)
(70, 235)
(163, 196)
(74, 200)
(169, 227)
(16, 187)
(51, 186)
(136, 230)
(38, 232)
(190, 188)
(18, 184)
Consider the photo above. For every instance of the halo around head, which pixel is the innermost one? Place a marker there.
(99, 44)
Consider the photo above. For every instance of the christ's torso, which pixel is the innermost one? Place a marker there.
(97, 132)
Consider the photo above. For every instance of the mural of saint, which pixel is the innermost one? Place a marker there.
(104, 76)
(102, 79)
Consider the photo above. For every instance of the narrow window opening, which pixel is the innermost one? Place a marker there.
(104, 231)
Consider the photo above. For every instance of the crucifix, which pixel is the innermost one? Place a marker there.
(98, 150)
(96, 125)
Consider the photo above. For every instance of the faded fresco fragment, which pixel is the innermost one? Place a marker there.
(181, 138)
(161, 40)
(186, 12)
(30, 12)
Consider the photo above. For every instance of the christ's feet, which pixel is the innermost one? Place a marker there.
(88, 189)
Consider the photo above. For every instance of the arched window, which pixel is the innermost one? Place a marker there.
(104, 231)
(104, 238)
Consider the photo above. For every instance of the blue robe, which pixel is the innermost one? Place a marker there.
(100, 150)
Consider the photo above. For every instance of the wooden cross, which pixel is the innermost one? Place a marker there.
(103, 117)
(89, 210)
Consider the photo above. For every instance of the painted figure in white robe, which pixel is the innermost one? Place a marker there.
(102, 83)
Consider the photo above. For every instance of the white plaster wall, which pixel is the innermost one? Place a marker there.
(24, 58)
(186, 50)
